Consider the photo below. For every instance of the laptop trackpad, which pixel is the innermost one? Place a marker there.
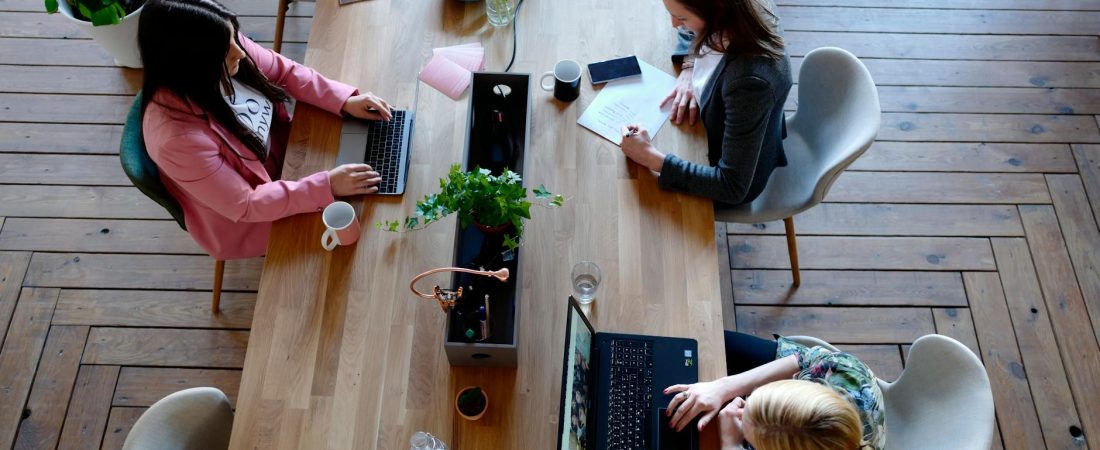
(671, 440)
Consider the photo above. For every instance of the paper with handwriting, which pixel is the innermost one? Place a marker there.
(630, 100)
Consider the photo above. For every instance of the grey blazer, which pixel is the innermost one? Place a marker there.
(742, 110)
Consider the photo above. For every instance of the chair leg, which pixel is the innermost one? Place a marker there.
(215, 302)
(280, 20)
(792, 248)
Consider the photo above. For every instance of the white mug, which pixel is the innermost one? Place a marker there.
(341, 225)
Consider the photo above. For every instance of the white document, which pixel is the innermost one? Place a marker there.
(630, 100)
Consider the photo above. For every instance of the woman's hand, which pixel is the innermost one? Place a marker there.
(636, 146)
(729, 424)
(692, 400)
(353, 179)
(368, 106)
(685, 105)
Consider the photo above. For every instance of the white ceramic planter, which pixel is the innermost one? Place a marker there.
(119, 40)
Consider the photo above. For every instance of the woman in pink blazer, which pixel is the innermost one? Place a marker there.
(216, 124)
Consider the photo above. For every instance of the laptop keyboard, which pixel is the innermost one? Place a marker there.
(631, 394)
(384, 149)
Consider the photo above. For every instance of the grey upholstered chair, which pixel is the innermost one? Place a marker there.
(942, 399)
(837, 119)
(191, 419)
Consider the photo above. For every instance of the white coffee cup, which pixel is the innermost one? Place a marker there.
(341, 225)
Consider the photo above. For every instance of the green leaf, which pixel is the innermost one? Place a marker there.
(510, 242)
(557, 201)
(411, 222)
(541, 192)
(51, 6)
(105, 16)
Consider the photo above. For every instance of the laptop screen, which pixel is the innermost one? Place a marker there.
(577, 396)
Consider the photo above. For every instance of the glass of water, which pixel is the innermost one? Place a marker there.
(499, 12)
(425, 441)
(586, 279)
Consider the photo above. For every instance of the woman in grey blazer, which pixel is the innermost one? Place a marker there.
(742, 101)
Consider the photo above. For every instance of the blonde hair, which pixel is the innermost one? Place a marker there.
(801, 415)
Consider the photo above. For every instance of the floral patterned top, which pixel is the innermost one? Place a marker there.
(847, 375)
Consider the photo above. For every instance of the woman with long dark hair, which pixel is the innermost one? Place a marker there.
(216, 124)
(736, 77)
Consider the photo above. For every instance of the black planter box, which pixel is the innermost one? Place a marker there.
(475, 249)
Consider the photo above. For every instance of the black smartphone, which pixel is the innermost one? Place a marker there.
(613, 69)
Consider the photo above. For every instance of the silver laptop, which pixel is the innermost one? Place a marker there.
(384, 145)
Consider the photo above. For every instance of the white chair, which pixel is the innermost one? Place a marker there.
(837, 119)
(191, 419)
(942, 399)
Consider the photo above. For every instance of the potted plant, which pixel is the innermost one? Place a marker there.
(494, 203)
(471, 403)
(112, 23)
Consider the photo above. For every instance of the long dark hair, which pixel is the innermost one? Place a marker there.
(736, 27)
(193, 67)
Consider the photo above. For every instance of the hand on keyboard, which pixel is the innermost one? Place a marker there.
(368, 106)
(353, 179)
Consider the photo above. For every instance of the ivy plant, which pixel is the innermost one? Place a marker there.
(479, 197)
(98, 12)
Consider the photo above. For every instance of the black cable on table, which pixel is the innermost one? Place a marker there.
(515, 38)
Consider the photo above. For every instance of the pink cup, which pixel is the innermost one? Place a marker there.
(342, 225)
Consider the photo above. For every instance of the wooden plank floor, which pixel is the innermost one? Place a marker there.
(974, 215)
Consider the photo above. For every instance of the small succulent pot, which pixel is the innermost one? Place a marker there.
(471, 402)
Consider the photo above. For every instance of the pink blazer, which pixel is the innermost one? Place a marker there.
(229, 200)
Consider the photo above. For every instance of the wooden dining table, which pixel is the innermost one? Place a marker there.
(343, 356)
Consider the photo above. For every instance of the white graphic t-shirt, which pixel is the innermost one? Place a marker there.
(253, 110)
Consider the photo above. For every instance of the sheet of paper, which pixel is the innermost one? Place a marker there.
(630, 100)
(449, 70)
(446, 76)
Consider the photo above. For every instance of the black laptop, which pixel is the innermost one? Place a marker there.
(612, 388)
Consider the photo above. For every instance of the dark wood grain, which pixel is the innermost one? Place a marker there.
(1031, 323)
(1082, 238)
(930, 187)
(53, 386)
(143, 386)
(1088, 160)
(86, 170)
(13, 267)
(871, 253)
(954, 21)
(97, 235)
(84, 52)
(60, 138)
(932, 72)
(119, 424)
(1017, 419)
(78, 202)
(1069, 315)
(166, 347)
(849, 288)
(92, 270)
(965, 157)
(30, 324)
(838, 325)
(886, 219)
(988, 128)
(86, 419)
(135, 308)
(949, 46)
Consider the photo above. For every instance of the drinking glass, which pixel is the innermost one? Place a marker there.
(499, 12)
(425, 441)
(586, 279)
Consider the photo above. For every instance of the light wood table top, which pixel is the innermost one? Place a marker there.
(343, 356)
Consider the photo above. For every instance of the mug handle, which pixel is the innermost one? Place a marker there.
(542, 81)
(329, 240)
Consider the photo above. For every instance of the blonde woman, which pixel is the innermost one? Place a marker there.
(803, 398)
